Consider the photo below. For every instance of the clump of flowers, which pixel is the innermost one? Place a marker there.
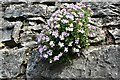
(66, 33)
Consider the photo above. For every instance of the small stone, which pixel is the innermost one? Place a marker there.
(116, 34)
(16, 31)
(29, 44)
(37, 19)
(1, 45)
(12, 60)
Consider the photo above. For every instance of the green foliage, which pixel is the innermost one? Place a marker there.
(66, 33)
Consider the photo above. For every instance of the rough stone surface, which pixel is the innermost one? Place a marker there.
(24, 10)
(101, 62)
(116, 34)
(16, 31)
(11, 60)
(60, 0)
(21, 22)
(10, 30)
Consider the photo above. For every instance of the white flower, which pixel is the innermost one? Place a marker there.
(80, 23)
(66, 49)
(45, 55)
(92, 34)
(71, 25)
(74, 14)
(49, 52)
(61, 44)
(69, 29)
(50, 61)
(70, 16)
(57, 26)
(77, 40)
(51, 44)
(81, 31)
(55, 33)
(78, 46)
(59, 15)
(60, 54)
(76, 50)
(50, 31)
(70, 43)
(56, 58)
(78, 54)
(61, 37)
(47, 38)
(64, 21)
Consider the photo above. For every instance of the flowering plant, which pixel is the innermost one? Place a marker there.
(66, 33)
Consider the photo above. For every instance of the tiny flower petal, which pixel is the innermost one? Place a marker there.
(61, 37)
(71, 25)
(60, 54)
(70, 43)
(66, 49)
(50, 61)
(51, 44)
(56, 58)
(61, 44)
(64, 21)
(45, 55)
(49, 52)
(75, 50)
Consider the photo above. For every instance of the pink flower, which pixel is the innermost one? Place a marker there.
(92, 34)
(56, 58)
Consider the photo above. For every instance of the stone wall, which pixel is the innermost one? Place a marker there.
(20, 23)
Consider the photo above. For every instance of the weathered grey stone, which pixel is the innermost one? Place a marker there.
(25, 10)
(1, 45)
(50, 10)
(29, 44)
(105, 8)
(99, 62)
(37, 19)
(111, 21)
(6, 31)
(100, 36)
(60, 0)
(28, 38)
(16, 31)
(5, 35)
(33, 26)
(10, 60)
(10, 30)
(116, 34)
(108, 12)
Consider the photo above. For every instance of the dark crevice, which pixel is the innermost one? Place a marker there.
(116, 4)
(38, 31)
(10, 3)
(104, 16)
(12, 44)
(10, 28)
(45, 3)
(116, 11)
(37, 21)
(99, 16)
(96, 43)
(109, 37)
(49, 3)
(112, 26)
(11, 19)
